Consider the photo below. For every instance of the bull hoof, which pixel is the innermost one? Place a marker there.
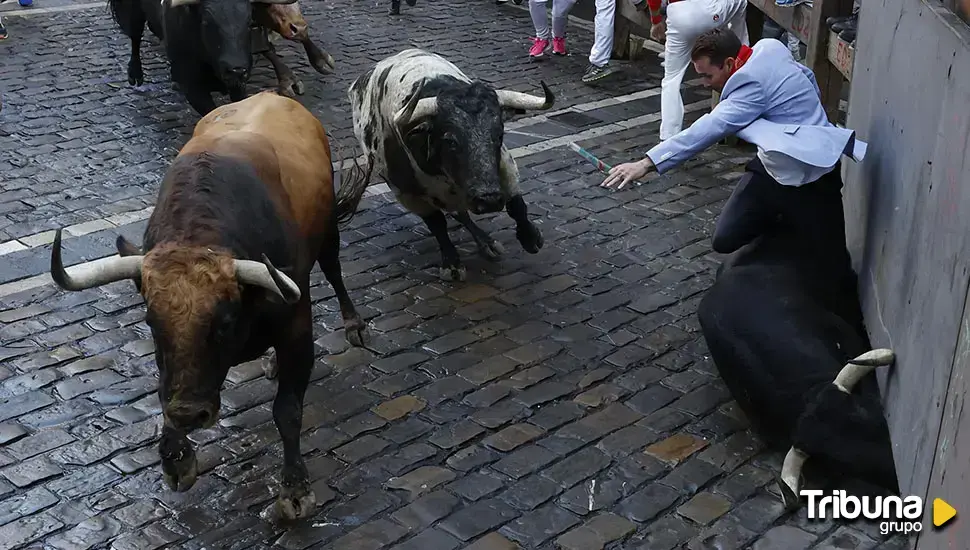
(356, 332)
(323, 63)
(394, 11)
(291, 88)
(530, 237)
(135, 76)
(272, 370)
(492, 250)
(180, 475)
(453, 273)
(296, 502)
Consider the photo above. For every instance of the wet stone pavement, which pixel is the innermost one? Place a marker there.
(557, 400)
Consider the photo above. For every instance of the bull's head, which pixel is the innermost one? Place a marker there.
(459, 132)
(194, 298)
(226, 37)
(836, 396)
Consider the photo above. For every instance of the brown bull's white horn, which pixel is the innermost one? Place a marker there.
(92, 274)
(263, 274)
(856, 368)
(416, 108)
(528, 102)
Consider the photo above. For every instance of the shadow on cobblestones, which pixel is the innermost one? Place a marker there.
(558, 400)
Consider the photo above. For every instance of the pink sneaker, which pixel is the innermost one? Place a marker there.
(559, 45)
(539, 46)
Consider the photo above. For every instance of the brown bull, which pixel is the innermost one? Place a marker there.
(287, 21)
(252, 189)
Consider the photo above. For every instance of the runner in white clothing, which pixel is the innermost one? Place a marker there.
(686, 20)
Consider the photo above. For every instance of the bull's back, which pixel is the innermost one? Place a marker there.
(279, 135)
(771, 342)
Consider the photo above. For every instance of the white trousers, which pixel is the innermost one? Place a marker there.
(599, 55)
(686, 20)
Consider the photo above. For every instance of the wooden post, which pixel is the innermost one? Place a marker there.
(829, 77)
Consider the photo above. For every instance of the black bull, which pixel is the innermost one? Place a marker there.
(208, 43)
(784, 327)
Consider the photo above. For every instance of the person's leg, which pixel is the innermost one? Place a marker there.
(737, 20)
(599, 55)
(560, 16)
(540, 20)
(685, 22)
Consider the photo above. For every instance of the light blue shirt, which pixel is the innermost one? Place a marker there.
(773, 102)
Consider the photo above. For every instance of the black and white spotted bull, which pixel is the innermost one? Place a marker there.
(435, 136)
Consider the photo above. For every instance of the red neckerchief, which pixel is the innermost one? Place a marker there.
(743, 54)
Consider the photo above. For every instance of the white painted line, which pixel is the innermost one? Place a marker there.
(382, 188)
(621, 126)
(40, 11)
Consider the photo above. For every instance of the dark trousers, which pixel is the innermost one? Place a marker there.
(811, 214)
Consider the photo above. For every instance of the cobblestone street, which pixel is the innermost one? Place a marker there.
(557, 400)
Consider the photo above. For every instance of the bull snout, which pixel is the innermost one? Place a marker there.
(487, 202)
(186, 417)
(234, 77)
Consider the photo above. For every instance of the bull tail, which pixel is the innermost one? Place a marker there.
(353, 183)
(122, 12)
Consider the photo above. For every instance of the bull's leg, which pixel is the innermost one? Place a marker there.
(526, 231)
(321, 60)
(294, 355)
(451, 268)
(200, 100)
(354, 327)
(487, 246)
(136, 27)
(289, 84)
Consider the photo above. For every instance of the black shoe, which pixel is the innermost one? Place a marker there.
(594, 73)
(848, 35)
(850, 23)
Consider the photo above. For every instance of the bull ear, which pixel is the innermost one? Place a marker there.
(418, 140)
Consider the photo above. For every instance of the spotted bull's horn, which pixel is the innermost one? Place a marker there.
(856, 368)
(529, 102)
(265, 275)
(416, 108)
(96, 273)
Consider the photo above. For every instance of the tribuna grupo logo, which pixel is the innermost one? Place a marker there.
(894, 514)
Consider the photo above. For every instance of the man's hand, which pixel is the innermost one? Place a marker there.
(622, 174)
(658, 32)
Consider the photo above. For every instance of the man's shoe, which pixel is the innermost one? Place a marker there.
(594, 73)
(848, 35)
(3, 31)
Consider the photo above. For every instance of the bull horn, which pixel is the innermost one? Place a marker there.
(263, 274)
(791, 471)
(519, 100)
(862, 365)
(177, 3)
(273, 1)
(92, 274)
(416, 108)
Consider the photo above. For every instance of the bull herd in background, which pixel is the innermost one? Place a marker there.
(249, 205)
